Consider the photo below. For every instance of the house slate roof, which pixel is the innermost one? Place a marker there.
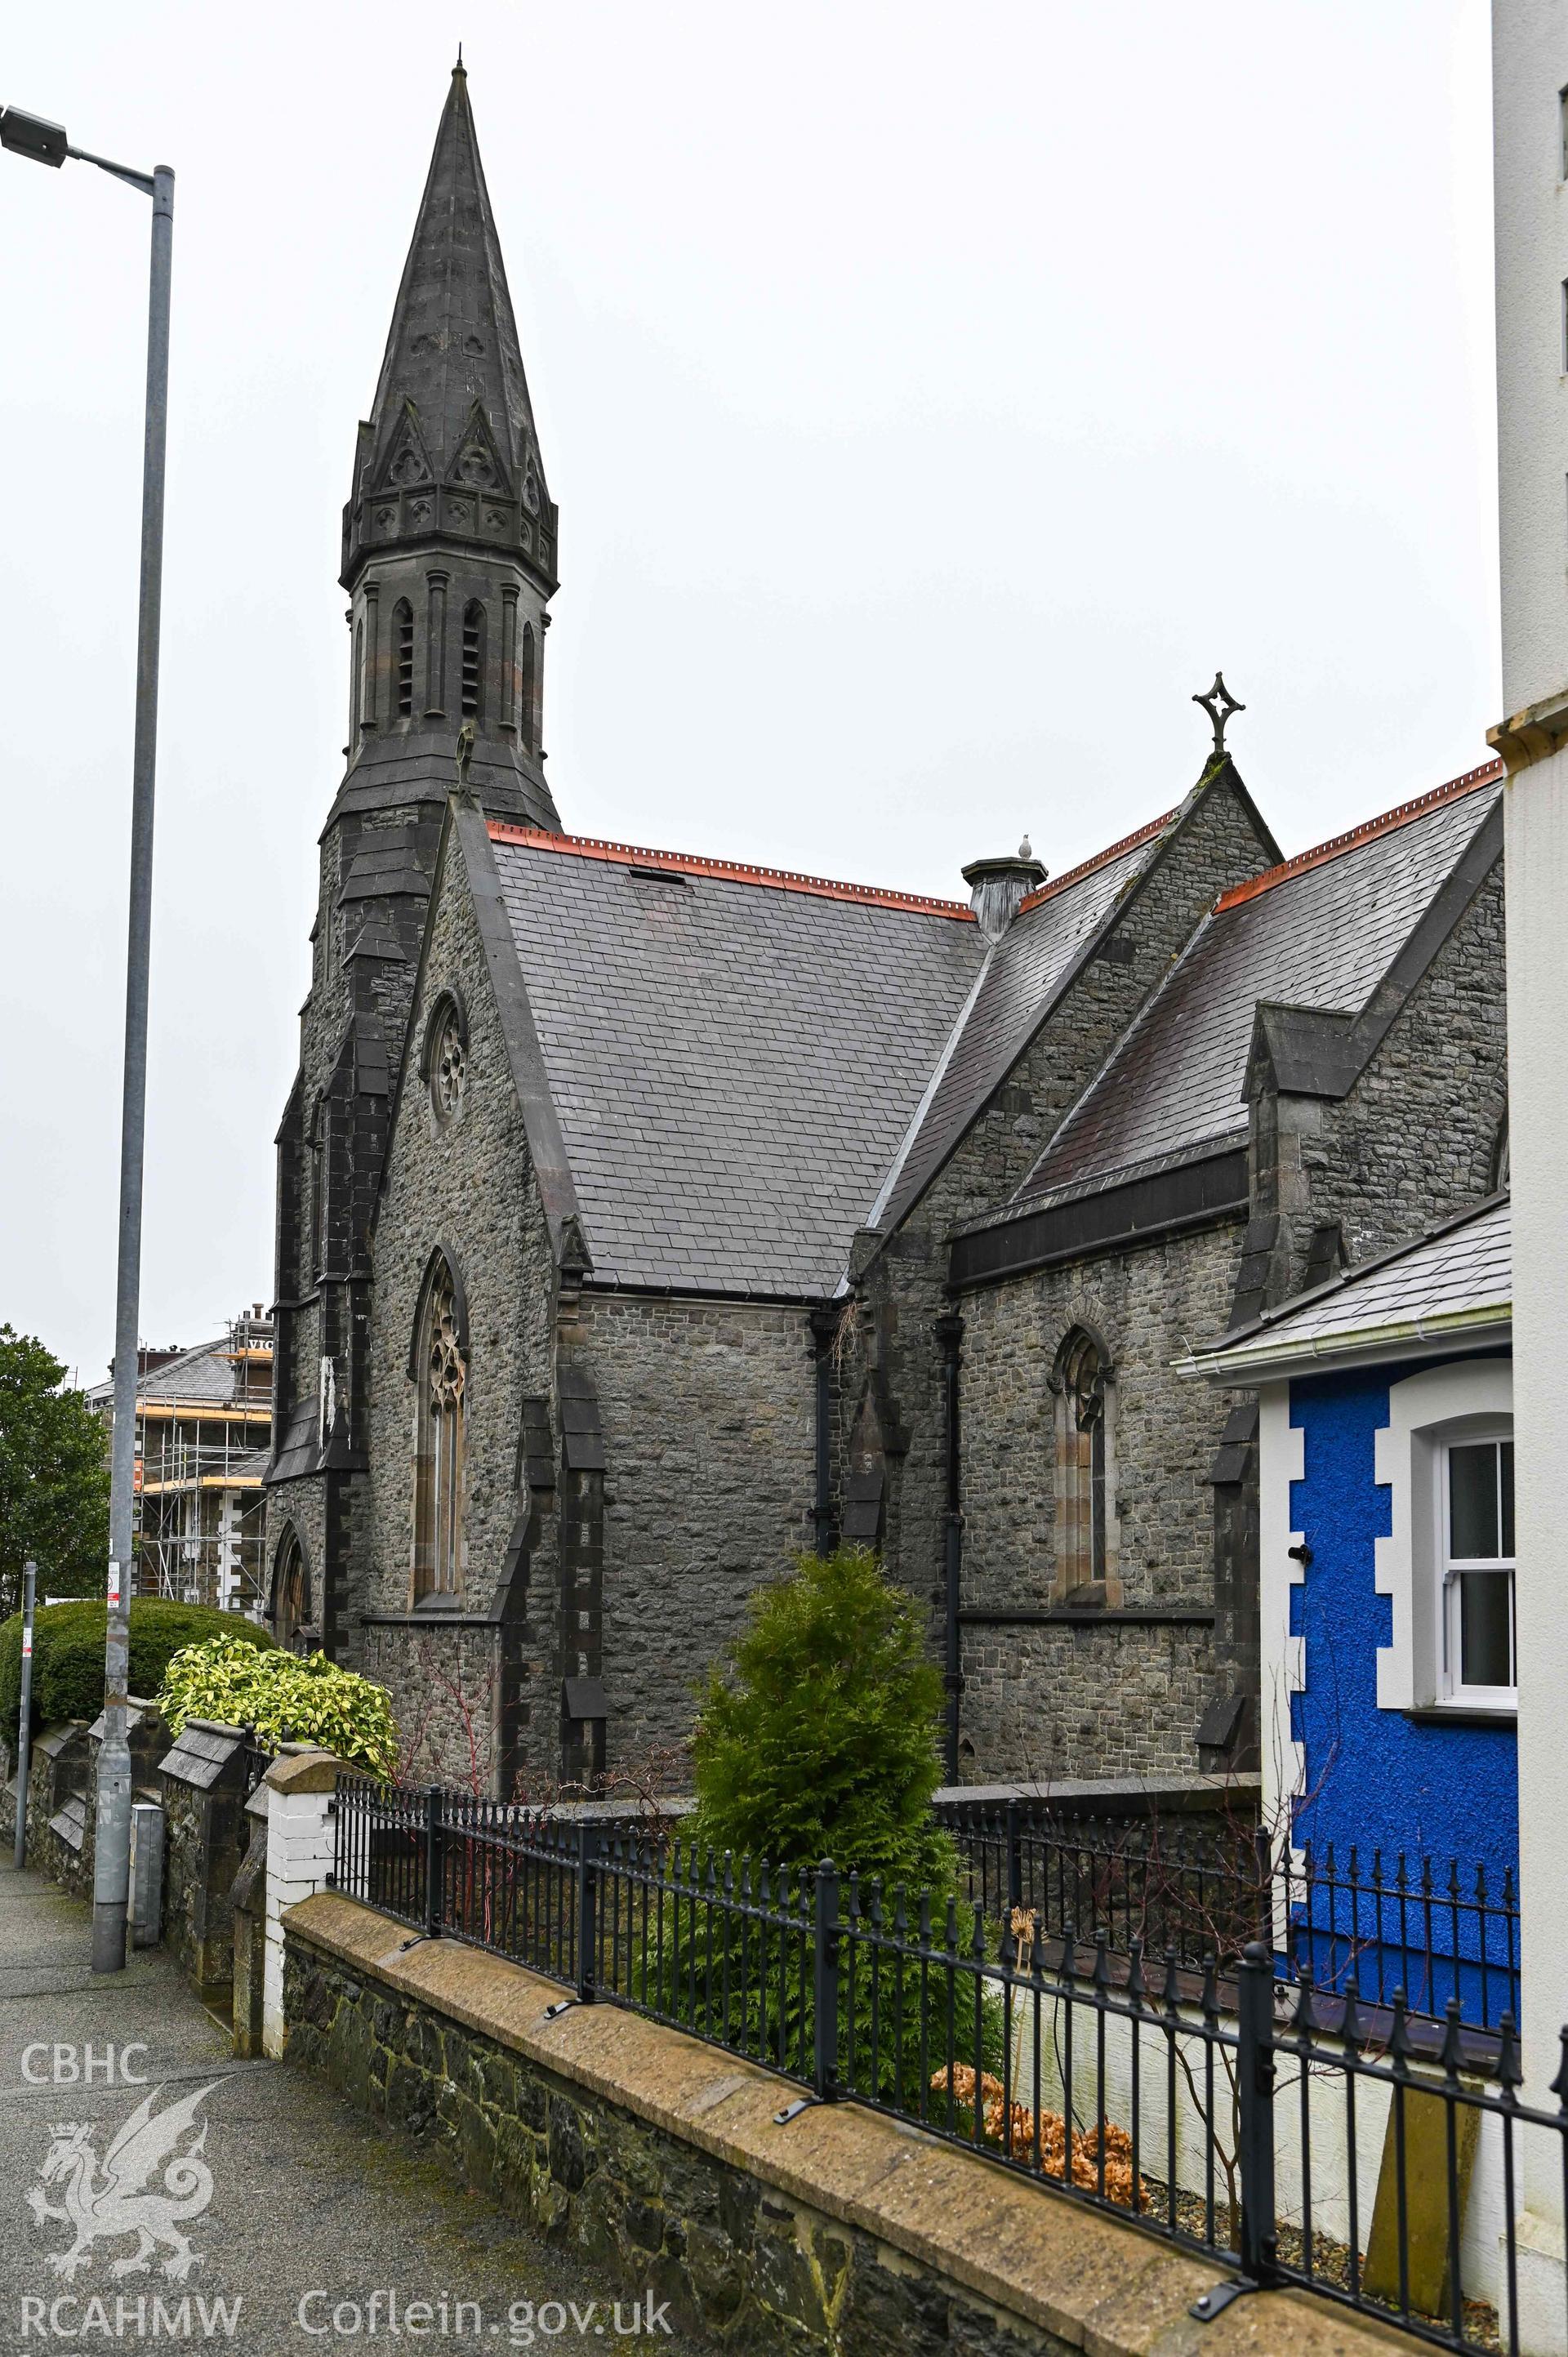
(734, 1054)
(1022, 973)
(1452, 1286)
(1320, 932)
(204, 1372)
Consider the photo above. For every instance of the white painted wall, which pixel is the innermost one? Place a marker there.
(299, 1859)
(1530, 70)
(1530, 67)
(1106, 2086)
(1537, 840)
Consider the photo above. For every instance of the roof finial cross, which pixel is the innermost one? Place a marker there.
(1220, 704)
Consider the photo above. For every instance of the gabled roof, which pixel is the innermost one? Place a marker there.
(207, 1375)
(1023, 973)
(1450, 1290)
(733, 1054)
(1321, 931)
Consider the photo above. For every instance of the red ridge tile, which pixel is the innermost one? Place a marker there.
(681, 862)
(1056, 884)
(1400, 815)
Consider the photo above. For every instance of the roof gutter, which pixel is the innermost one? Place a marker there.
(1320, 1354)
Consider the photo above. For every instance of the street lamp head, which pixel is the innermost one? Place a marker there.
(29, 135)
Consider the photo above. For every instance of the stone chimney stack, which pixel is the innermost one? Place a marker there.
(997, 886)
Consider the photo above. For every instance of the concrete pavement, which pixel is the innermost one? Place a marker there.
(306, 2226)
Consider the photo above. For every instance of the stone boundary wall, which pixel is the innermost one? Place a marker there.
(202, 1779)
(62, 1782)
(198, 1781)
(661, 2158)
(62, 1790)
(1175, 1821)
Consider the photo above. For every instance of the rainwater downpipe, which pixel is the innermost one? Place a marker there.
(824, 1325)
(950, 1334)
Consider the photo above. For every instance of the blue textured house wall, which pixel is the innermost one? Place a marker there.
(1378, 1779)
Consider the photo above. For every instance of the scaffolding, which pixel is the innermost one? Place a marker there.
(202, 1445)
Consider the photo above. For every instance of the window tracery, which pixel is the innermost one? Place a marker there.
(441, 1376)
(1085, 1510)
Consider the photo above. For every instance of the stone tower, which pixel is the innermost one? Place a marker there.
(449, 560)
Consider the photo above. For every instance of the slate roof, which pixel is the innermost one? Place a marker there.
(1452, 1285)
(385, 866)
(1319, 932)
(206, 1372)
(1022, 974)
(734, 1055)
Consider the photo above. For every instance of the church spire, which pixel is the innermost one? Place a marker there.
(450, 442)
(449, 536)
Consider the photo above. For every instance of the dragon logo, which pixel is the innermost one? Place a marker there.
(104, 2205)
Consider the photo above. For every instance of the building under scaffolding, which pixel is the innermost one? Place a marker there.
(204, 1421)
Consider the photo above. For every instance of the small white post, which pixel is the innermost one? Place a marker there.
(299, 1859)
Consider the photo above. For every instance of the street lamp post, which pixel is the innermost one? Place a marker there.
(46, 142)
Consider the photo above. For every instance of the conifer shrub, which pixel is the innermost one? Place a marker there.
(820, 1741)
(68, 1652)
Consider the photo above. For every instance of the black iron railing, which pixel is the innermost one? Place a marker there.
(1197, 1886)
(258, 1758)
(1290, 2134)
(1432, 1929)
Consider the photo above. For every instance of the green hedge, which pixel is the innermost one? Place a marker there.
(68, 1653)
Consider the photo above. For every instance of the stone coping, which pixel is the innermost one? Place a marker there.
(201, 1753)
(298, 1771)
(1118, 1796)
(1107, 2288)
(54, 1738)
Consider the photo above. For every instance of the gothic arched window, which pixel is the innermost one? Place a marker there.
(440, 1373)
(448, 1066)
(403, 635)
(1085, 1435)
(526, 718)
(291, 1593)
(474, 661)
(443, 1059)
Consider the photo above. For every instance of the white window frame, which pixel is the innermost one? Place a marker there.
(1282, 1459)
(1449, 1568)
(1468, 1398)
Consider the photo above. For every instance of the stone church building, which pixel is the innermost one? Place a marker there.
(644, 1218)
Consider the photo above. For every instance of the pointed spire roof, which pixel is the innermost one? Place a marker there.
(451, 430)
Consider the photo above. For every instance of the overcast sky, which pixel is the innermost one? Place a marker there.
(933, 396)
